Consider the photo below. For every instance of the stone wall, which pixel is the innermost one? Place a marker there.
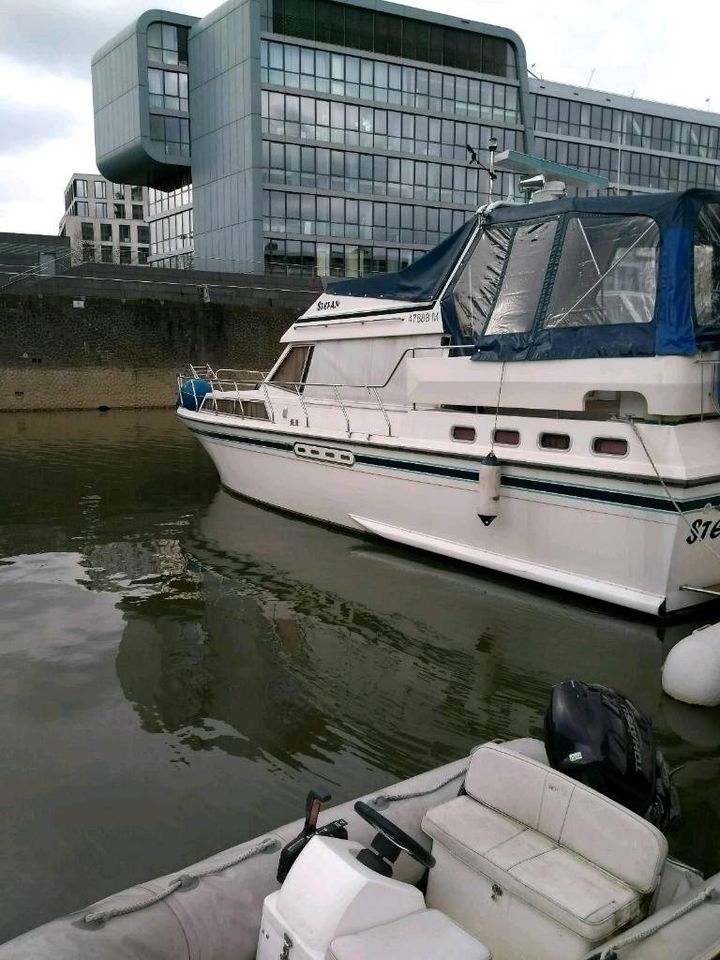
(77, 351)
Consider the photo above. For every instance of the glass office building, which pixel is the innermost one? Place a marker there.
(636, 144)
(321, 136)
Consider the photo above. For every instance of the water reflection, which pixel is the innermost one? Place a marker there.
(178, 666)
(307, 642)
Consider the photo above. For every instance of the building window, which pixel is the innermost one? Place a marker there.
(118, 191)
(99, 189)
(125, 255)
(362, 78)
(168, 89)
(119, 211)
(106, 254)
(143, 234)
(136, 194)
(106, 232)
(137, 212)
(124, 233)
(311, 118)
(81, 208)
(88, 253)
(395, 35)
(100, 208)
(87, 231)
(168, 43)
(142, 254)
(80, 188)
(174, 132)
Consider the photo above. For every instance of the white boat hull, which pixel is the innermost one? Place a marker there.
(611, 540)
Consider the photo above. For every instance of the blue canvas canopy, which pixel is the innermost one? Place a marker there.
(591, 277)
(579, 277)
(421, 282)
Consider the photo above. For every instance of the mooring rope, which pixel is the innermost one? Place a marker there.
(185, 882)
(383, 798)
(665, 487)
(611, 952)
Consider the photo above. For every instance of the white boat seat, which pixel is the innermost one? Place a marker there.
(530, 847)
(425, 935)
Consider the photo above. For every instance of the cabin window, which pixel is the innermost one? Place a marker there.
(607, 273)
(378, 363)
(707, 266)
(292, 369)
(507, 438)
(466, 434)
(555, 441)
(610, 446)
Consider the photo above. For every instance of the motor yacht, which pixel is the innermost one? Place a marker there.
(538, 395)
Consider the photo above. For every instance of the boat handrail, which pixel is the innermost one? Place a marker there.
(260, 382)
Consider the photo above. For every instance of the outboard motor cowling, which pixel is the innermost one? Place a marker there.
(599, 737)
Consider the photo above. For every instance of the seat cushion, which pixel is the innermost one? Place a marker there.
(525, 863)
(425, 935)
(568, 813)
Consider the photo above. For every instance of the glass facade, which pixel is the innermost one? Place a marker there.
(337, 126)
(310, 215)
(333, 259)
(171, 227)
(633, 150)
(346, 171)
(385, 33)
(167, 46)
(320, 71)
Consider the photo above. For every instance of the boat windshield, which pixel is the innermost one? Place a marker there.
(707, 266)
(585, 270)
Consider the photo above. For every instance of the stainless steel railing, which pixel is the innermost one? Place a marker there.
(226, 382)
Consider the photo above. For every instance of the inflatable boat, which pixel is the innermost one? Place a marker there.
(525, 850)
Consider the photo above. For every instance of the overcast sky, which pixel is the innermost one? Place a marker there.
(659, 49)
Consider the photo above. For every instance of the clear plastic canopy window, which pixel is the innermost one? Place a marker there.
(606, 274)
(707, 266)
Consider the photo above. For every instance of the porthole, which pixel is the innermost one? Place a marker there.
(507, 438)
(555, 441)
(610, 446)
(465, 434)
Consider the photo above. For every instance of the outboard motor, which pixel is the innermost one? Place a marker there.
(599, 737)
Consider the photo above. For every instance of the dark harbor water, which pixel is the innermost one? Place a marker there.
(178, 667)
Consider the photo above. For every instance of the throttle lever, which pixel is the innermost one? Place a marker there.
(292, 850)
(313, 803)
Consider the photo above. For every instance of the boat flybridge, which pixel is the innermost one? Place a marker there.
(537, 395)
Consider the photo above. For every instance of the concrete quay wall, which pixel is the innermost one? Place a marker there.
(82, 347)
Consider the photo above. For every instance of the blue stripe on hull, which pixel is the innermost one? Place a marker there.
(528, 484)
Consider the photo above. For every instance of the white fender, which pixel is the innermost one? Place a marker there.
(691, 672)
(488, 490)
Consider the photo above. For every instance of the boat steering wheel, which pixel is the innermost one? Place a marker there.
(395, 835)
